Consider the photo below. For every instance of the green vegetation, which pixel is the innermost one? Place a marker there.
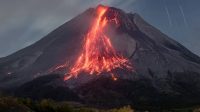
(12, 104)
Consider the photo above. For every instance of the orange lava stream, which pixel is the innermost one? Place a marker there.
(98, 54)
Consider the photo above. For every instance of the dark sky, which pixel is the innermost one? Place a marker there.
(23, 22)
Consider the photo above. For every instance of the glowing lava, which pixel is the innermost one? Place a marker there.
(98, 55)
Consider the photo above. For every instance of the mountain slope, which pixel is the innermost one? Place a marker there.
(162, 67)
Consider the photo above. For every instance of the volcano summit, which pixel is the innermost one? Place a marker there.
(98, 54)
(105, 57)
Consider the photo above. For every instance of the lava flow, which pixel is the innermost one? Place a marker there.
(98, 54)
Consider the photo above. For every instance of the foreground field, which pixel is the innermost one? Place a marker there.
(11, 104)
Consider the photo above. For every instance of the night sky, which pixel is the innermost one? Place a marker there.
(23, 22)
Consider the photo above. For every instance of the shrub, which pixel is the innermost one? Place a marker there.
(123, 109)
(10, 104)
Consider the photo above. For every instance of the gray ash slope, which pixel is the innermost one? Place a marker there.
(165, 71)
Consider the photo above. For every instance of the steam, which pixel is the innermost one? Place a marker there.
(182, 13)
(167, 12)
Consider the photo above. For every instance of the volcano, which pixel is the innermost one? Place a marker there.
(105, 57)
(98, 54)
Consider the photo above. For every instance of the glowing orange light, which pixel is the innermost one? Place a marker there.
(98, 54)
